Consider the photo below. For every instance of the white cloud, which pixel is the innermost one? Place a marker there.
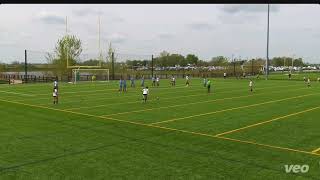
(87, 11)
(50, 17)
(249, 8)
(200, 26)
(165, 35)
(118, 38)
(206, 30)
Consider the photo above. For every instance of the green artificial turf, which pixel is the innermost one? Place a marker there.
(295, 75)
(182, 132)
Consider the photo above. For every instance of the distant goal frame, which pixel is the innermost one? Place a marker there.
(76, 69)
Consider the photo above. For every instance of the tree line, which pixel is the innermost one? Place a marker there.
(170, 60)
(69, 48)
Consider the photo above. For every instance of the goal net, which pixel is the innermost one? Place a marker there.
(90, 75)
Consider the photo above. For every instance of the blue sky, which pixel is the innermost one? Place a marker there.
(206, 30)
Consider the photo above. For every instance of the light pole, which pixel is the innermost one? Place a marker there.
(267, 62)
(234, 66)
(292, 62)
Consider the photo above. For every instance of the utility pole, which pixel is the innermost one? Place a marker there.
(112, 60)
(252, 66)
(100, 54)
(152, 66)
(292, 63)
(67, 52)
(234, 66)
(267, 61)
(25, 66)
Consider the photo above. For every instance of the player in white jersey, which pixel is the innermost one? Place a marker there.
(55, 84)
(250, 85)
(153, 81)
(145, 92)
(173, 81)
(205, 82)
(308, 82)
(158, 81)
(187, 80)
(318, 79)
(55, 96)
(224, 75)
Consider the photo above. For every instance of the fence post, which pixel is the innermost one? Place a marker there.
(152, 65)
(25, 66)
(112, 61)
(252, 67)
(234, 68)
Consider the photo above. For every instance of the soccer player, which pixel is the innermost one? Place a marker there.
(124, 85)
(153, 81)
(318, 79)
(55, 96)
(93, 78)
(208, 85)
(132, 82)
(205, 81)
(290, 75)
(120, 84)
(173, 81)
(250, 85)
(224, 75)
(11, 81)
(55, 84)
(187, 80)
(308, 82)
(142, 81)
(145, 92)
(304, 79)
(158, 81)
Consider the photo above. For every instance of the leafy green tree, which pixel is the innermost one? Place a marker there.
(202, 63)
(277, 61)
(192, 59)
(219, 61)
(110, 51)
(2, 67)
(66, 53)
(90, 62)
(298, 62)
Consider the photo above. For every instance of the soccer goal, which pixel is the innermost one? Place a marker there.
(90, 75)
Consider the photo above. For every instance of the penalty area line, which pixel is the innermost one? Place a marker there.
(22, 94)
(231, 109)
(169, 129)
(316, 151)
(268, 121)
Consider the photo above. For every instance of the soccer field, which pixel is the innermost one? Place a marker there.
(95, 132)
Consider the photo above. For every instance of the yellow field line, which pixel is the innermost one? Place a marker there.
(231, 109)
(166, 128)
(75, 92)
(268, 121)
(67, 111)
(186, 104)
(176, 97)
(268, 146)
(22, 94)
(137, 92)
(316, 150)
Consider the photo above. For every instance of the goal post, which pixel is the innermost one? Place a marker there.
(82, 74)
